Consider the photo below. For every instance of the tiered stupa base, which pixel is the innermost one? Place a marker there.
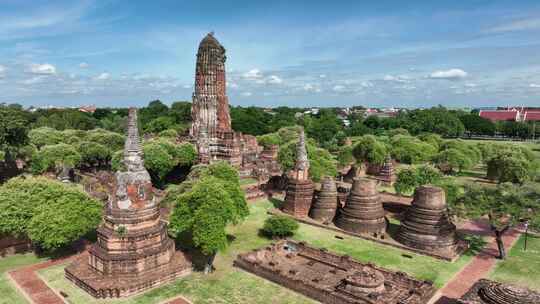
(326, 202)
(298, 198)
(491, 292)
(115, 286)
(426, 225)
(363, 212)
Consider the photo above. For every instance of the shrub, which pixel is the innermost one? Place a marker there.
(279, 226)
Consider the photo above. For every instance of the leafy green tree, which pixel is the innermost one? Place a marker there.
(250, 120)
(159, 124)
(410, 178)
(411, 150)
(44, 136)
(55, 157)
(279, 226)
(51, 214)
(109, 139)
(61, 119)
(269, 139)
(369, 149)
(154, 110)
(203, 210)
(475, 124)
(432, 139)
(94, 154)
(181, 111)
(512, 164)
(345, 156)
(169, 133)
(324, 127)
(321, 161)
(13, 131)
(162, 156)
(505, 205)
(451, 159)
(358, 128)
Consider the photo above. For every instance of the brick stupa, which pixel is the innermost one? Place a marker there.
(426, 225)
(326, 201)
(211, 120)
(387, 174)
(133, 251)
(299, 193)
(363, 211)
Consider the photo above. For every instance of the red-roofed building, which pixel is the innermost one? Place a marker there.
(531, 116)
(501, 115)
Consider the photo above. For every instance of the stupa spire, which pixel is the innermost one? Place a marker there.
(132, 149)
(302, 162)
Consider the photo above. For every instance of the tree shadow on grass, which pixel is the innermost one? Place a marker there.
(277, 203)
(476, 244)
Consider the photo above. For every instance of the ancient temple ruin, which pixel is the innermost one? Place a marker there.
(133, 251)
(491, 292)
(331, 278)
(211, 120)
(325, 201)
(211, 128)
(363, 212)
(299, 193)
(426, 225)
(387, 175)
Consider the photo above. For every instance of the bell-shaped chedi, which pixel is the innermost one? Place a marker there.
(211, 120)
(133, 251)
(387, 174)
(299, 193)
(490, 292)
(426, 225)
(326, 201)
(363, 211)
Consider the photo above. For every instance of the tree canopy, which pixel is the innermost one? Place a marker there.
(50, 213)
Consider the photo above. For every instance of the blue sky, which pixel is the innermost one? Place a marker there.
(296, 53)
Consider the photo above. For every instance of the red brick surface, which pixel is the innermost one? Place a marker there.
(480, 265)
(31, 284)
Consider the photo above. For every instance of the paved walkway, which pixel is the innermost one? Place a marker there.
(480, 265)
(33, 287)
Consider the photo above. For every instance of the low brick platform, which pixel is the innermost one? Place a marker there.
(386, 240)
(100, 286)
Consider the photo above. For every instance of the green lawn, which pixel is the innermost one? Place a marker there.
(521, 267)
(8, 292)
(230, 285)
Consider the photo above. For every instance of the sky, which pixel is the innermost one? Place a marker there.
(383, 53)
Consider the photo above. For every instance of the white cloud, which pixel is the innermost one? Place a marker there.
(395, 78)
(274, 79)
(338, 88)
(253, 74)
(518, 25)
(83, 65)
(247, 94)
(103, 76)
(322, 76)
(2, 71)
(232, 85)
(42, 69)
(187, 86)
(33, 80)
(534, 85)
(366, 84)
(471, 85)
(452, 74)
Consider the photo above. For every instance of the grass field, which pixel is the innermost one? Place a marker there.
(8, 292)
(230, 285)
(521, 267)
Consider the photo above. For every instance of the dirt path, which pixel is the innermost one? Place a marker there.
(179, 300)
(31, 285)
(479, 266)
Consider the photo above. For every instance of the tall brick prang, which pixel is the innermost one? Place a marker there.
(211, 121)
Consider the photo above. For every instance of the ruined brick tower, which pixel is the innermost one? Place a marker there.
(133, 251)
(299, 192)
(211, 121)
